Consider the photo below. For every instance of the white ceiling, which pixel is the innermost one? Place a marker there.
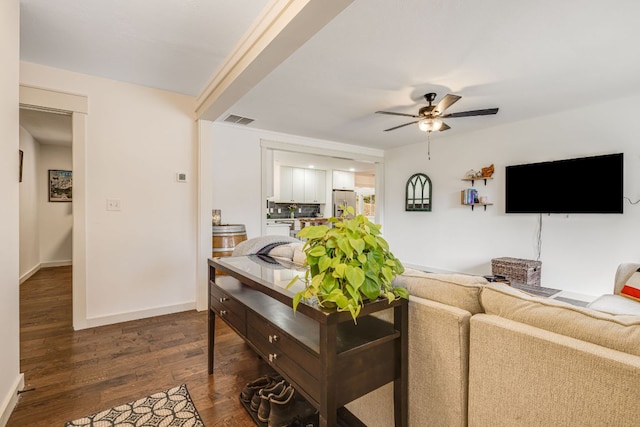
(527, 57)
(166, 44)
(46, 127)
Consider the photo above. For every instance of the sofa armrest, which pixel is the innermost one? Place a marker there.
(438, 370)
(625, 270)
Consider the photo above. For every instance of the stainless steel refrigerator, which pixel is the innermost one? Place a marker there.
(343, 198)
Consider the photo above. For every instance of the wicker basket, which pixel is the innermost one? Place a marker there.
(518, 270)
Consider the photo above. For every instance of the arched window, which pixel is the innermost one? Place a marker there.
(418, 193)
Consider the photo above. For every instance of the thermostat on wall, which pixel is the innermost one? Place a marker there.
(181, 177)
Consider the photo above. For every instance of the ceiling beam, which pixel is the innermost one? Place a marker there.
(280, 30)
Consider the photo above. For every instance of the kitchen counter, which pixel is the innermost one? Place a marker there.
(304, 222)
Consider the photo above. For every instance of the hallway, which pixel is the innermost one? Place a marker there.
(70, 374)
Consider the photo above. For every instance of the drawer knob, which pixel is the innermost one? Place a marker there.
(272, 357)
(223, 299)
(223, 313)
(273, 338)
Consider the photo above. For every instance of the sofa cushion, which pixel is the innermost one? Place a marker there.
(458, 290)
(258, 245)
(290, 251)
(615, 304)
(620, 332)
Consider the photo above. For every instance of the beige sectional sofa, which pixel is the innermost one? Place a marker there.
(485, 354)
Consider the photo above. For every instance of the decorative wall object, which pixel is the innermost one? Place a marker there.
(216, 217)
(21, 155)
(60, 185)
(418, 194)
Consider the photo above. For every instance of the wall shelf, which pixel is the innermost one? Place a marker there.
(478, 204)
(485, 178)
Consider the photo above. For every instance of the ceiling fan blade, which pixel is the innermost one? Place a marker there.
(445, 103)
(396, 114)
(444, 127)
(397, 127)
(484, 112)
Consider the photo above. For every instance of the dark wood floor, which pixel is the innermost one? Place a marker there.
(74, 374)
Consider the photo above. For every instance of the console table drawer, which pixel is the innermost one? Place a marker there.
(295, 360)
(228, 309)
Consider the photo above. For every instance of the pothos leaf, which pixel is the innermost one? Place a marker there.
(401, 292)
(357, 244)
(296, 300)
(313, 232)
(317, 251)
(324, 262)
(339, 270)
(390, 297)
(370, 289)
(371, 241)
(355, 276)
(344, 246)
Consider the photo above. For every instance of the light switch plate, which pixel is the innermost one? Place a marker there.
(181, 177)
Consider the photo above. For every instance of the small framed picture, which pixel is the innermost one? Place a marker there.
(60, 186)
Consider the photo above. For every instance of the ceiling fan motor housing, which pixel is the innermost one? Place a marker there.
(430, 97)
(426, 111)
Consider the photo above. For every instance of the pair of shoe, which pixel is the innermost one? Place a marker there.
(264, 400)
(256, 385)
(275, 401)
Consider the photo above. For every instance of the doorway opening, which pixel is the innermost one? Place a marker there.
(342, 172)
(46, 221)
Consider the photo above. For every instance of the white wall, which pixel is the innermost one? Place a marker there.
(141, 260)
(237, 173)
(29, 227)
(55, 218)
(10, 377)
(580, 253)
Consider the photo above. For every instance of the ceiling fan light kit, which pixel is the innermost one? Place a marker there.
(430, 125)
(429, 117)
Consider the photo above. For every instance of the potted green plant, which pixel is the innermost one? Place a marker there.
(349, 264)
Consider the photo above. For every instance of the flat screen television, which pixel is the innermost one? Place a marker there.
(586, 185)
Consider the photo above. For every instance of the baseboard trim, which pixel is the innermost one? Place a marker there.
(135, 315)
(29, 273)
(37, 268)
(63, 263)
(10, 400)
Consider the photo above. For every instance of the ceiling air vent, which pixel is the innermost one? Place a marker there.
(232, 118)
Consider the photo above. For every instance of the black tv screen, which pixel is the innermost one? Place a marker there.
(581, 185)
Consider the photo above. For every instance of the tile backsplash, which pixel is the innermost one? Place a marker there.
(281, 210)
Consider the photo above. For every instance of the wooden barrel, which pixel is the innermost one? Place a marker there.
(224, 238)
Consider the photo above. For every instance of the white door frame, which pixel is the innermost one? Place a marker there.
(77, 106)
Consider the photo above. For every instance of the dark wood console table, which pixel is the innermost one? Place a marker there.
(325, 356)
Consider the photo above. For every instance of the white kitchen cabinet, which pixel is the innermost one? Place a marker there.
(299, 185)
(286, 184)
(315, 187)
(343, 180)
(321, 186)
(291, 184)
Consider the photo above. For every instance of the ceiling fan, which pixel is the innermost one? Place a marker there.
(429, 117)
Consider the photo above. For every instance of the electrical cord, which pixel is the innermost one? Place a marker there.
(539, 238)
(633, 203)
